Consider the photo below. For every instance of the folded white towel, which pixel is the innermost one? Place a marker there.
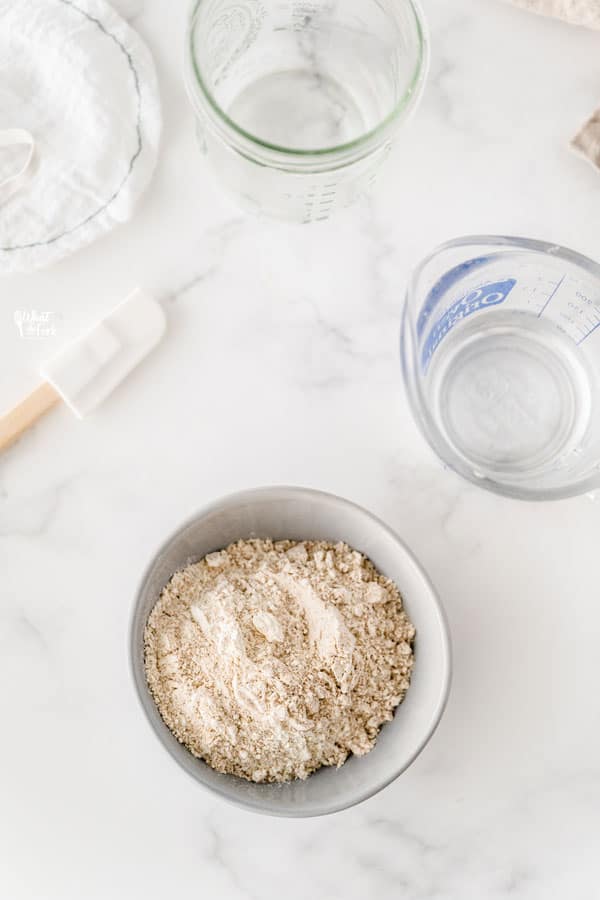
(81, 83)
(13, 178)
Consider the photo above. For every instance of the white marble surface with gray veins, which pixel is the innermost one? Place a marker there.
(281, 366)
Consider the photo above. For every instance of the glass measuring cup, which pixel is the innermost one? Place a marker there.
(500, 351)
(298, 100)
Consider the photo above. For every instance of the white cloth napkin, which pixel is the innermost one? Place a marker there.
(81, 84)
(13, 177)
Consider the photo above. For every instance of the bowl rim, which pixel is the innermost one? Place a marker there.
(144, 696)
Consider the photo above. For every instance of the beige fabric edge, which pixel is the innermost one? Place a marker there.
(587, 141)
(577, 12)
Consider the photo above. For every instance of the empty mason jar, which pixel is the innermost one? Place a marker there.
(298, 101)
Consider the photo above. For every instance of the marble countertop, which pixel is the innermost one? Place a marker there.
(281, 366)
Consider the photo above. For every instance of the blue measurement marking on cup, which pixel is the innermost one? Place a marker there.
(586, 336)
(551, 296)
(573, 307)
(482, 298)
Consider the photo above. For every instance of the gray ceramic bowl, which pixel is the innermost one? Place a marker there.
(299, 514)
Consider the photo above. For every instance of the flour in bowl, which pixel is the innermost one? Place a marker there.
(271, 659)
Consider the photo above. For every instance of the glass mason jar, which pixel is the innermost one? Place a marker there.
(298, 101)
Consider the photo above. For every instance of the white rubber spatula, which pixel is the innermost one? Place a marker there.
(88, 370)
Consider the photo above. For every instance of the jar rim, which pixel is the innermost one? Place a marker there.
(250, 145)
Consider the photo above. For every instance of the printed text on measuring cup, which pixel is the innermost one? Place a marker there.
(483, 297)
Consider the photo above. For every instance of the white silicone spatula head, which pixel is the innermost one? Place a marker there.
(89, 369)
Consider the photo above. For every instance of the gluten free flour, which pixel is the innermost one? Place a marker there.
(271, 659)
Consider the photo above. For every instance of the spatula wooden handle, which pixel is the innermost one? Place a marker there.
(28, 411)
